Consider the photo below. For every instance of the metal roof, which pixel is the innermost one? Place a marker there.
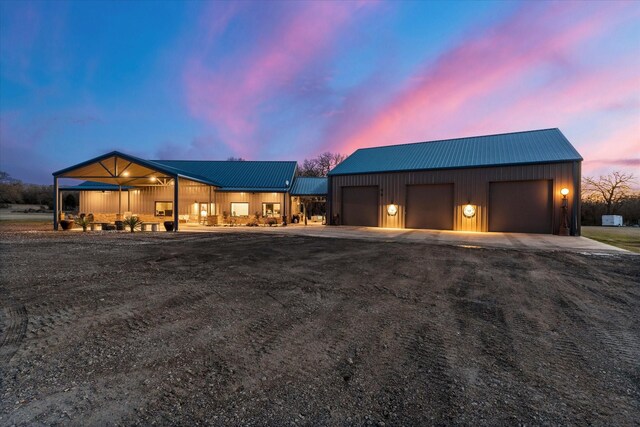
(309, 186)
(122, 169)
(251, 176)
(529, 147)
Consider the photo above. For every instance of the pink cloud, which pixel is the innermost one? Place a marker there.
(457, 94)
(232, 96)
(620, 149)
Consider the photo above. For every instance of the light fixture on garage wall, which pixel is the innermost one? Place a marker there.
(392, 209)
(564, 225)
(469, 210)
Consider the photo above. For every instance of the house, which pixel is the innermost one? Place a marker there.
(180, 190)
(525, 182)
(514, 182)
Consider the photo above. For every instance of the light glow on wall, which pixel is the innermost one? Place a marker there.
(469, 211)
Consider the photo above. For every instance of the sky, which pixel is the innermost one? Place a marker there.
(289, 80)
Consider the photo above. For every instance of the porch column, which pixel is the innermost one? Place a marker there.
(119, 201)
(176, 217)
(55, 203)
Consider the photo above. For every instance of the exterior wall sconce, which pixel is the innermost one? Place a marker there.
(469, 210)
(392, 209)
(564, 225)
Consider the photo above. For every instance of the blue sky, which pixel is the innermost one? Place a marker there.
(289, 80)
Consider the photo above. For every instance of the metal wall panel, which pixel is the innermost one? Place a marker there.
(471, 186)
(142, 200)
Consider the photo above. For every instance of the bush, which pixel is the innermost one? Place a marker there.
(133, 222)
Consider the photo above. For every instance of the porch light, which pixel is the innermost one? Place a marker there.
(125, 173)
(392, 209)
(564, 191)
(469, 210)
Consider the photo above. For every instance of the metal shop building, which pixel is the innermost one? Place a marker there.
(527, 182)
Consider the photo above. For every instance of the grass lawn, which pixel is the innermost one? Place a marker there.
(623, 237)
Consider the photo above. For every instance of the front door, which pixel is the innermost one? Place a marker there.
(203, 212)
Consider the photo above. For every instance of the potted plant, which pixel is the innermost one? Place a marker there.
(66, 224)
(168, 225)
(133, 222)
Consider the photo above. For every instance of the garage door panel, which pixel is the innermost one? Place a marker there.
(360, 206)
(430, 206)
(520, 206)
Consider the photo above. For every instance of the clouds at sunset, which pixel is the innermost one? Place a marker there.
(520, 74)
(289, 80)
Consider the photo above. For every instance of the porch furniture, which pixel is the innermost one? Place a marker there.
(153, 225)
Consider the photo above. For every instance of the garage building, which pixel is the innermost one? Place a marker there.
(513, 182)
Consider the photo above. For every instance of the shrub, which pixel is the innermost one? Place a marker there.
(83, 221)
(133, 222)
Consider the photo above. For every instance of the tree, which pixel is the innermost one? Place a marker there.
(321, 165)
(609, 189)
(235, 159)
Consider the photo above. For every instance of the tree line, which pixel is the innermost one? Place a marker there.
(611, 194)
(15, 191)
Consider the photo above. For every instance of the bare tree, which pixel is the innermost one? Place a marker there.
(610, 189)
(235, 159)
(321, 165)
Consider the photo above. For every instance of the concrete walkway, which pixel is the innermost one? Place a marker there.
(456, 238)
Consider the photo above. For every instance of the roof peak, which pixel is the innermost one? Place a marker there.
(459, 138)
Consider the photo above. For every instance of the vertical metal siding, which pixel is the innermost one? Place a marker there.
(471, 185)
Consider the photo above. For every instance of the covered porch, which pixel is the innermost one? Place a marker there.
(119, 185)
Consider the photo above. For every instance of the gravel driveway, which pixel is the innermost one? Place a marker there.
(235, 328)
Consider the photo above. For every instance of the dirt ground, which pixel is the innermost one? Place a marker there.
(228, 329)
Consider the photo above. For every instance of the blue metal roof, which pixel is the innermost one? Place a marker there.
(308, 186)
(536, 146)
(94, 186)
(251, 176)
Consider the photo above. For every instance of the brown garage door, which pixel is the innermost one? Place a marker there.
(520, 206)
(430, 206)
(360, 206)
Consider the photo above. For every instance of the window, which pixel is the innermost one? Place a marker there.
(164, 208)
(239, 209)
(270, 209)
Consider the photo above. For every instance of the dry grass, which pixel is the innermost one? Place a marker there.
(623, 237)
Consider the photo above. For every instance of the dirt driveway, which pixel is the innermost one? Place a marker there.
(235, 328)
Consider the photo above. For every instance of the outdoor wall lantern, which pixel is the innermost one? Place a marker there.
(469, 210)
(392, 209)
(564, 192)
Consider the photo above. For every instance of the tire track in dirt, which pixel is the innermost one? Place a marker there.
(14, 322)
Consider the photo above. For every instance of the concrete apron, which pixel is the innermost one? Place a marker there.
(456, 238)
